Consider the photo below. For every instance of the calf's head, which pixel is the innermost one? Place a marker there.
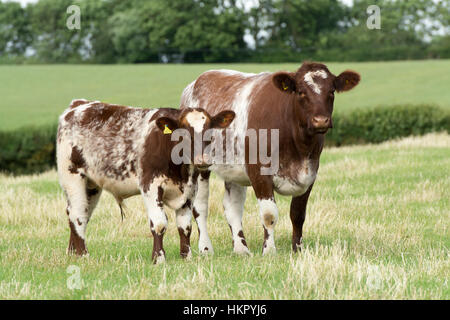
(312, 88)
(194, 123)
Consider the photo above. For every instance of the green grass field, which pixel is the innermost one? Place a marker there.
(377, 226)
(37, 94)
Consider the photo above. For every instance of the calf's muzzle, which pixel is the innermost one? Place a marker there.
(202, 161)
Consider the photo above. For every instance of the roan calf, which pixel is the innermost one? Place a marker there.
(127, 151)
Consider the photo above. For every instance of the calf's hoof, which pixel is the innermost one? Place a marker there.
(243, 251)
(187, 255)
(159, 257)
(269, 251)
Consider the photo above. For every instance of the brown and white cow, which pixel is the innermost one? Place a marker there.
(299, 104)
(127, 151)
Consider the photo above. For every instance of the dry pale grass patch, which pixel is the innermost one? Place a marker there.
(376, 227)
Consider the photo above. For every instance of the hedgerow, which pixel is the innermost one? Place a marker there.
(32, 149)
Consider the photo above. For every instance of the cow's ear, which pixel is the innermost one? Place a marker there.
(222, 119)
(166, 124)
(284, 81)
(347, 80)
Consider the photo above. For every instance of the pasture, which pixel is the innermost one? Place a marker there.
(37, 94)
(376, 226)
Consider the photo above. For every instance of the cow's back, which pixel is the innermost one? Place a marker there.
(218, 90)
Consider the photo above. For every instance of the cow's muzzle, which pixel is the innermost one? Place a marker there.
(321, 124)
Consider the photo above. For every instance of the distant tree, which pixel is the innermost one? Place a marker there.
(52, 40)
(98, 45)
(15, 33)
(202, 30)
(405, 25)
(134, 31)
(298, 24)
(259, 21)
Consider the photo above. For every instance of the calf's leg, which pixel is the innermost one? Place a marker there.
(184, 217)
(81, 201)
(153, 200)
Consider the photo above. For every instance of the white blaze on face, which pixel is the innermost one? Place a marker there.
(196, 119)
(309, 79)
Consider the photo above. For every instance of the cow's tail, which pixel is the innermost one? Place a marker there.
(122, 213)
(122, 207)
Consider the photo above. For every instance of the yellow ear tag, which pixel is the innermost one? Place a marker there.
(167, 130)
(285, 87)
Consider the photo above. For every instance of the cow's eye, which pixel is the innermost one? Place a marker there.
(301, 94)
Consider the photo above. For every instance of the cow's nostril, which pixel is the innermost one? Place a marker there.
(320, 122)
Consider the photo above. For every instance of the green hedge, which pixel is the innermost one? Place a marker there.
(30, 150)
(379, 124)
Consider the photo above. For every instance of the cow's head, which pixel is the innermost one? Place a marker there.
(195, 122)
(313, 86)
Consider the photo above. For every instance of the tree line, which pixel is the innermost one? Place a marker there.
(138, 31)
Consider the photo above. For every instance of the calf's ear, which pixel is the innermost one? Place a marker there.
(166, 124)
(347, 80)
(222, 119)
(284, 81)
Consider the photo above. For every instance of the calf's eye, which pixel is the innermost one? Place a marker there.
(302, 95)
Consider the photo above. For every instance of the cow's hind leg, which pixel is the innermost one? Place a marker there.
(184, 217)
(233, 204)
(200, 212)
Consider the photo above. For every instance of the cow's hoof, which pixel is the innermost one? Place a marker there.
(206, 250)
(205, 246)
(160, 259)
(297, 248)
(72, 252)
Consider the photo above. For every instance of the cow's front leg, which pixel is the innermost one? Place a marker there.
(298, 214)
(184, 217)
(233, 204)
(153, 199)
(268, 210)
